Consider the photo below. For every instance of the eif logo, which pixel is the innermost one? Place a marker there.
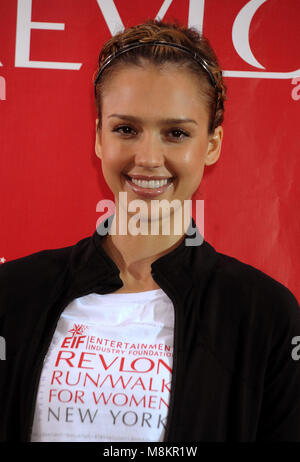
(77, 337)
(296, 350)
(78, 329)
(2, 348)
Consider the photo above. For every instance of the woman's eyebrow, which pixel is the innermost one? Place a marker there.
(165, 121)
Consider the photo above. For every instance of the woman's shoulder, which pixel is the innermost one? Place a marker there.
(243, 298)
(35, 261)
(33, 274)
(55, 257)
(251, 284)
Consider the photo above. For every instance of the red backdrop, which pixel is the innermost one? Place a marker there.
(50, 177)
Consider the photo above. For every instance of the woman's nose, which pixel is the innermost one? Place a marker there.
(149, 151)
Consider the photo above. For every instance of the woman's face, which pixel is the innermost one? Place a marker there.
(155, 124)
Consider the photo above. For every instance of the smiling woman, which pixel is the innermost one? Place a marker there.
(153, 157)
(160, 109)
(125, 337)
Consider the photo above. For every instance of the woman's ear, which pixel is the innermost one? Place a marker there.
(98, 146)
(214, 146)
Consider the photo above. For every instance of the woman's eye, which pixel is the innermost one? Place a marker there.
(178, 134)
(123, 129)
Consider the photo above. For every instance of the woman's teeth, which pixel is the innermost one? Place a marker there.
(152, 184)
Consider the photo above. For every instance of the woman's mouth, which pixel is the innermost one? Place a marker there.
(149, 188)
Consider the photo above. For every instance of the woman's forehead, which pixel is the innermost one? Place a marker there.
(150, 71)
(162, 90)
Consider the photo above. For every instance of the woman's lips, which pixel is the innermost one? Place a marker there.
(148, 192)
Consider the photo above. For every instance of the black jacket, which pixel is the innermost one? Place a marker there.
(234, 377)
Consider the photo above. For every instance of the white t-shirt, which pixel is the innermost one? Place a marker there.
(107, 374)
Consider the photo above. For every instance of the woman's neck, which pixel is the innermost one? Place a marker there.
(133, 254)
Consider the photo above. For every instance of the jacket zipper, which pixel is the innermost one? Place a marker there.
(39, 368)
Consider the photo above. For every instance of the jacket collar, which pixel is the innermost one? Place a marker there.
(185, 267)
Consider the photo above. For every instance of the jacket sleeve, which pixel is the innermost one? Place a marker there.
(280, 408)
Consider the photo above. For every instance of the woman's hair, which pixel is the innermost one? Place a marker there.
(160, 55)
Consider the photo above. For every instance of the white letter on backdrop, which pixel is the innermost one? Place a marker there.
(111, 16)
(241, 43)
(196, 14)
(24, 26)
(240, 32)
(114, 21)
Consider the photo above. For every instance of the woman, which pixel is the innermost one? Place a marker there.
(149, 337)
